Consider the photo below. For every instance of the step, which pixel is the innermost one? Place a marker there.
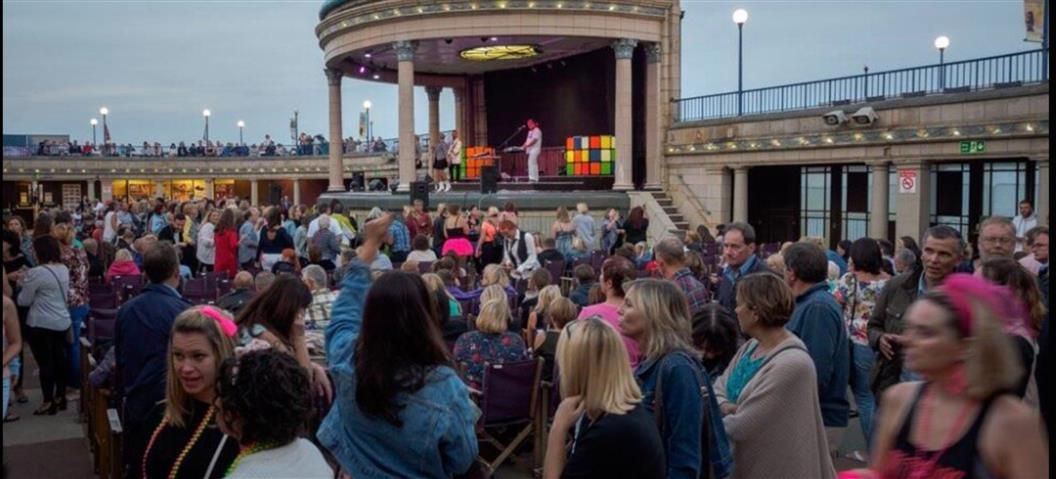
(660, 196)
(682, 225)
(676, 219)
(666, 203)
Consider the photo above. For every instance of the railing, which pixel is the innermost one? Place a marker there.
(1001, 71)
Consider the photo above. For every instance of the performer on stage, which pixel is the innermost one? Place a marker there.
(454, 156)
(533, 144)
(440, 165)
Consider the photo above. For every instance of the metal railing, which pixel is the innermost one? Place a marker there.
(1000, 71)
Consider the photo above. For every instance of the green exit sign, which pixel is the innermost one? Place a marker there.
(972, 147)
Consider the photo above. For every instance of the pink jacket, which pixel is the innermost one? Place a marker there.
(121, 268)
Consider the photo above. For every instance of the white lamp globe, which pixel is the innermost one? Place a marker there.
(942, 42)
(740, 16)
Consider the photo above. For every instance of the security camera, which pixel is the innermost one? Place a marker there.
(835, 118)
(865, 116)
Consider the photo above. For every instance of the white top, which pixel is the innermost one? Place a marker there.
(1022, 226)
(454, 152)
(300, 459)
(335, 227)
(109, 233)
(206, 244)
(427, 256)
(537, 135)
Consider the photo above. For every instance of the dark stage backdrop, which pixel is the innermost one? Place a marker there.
(570, 100)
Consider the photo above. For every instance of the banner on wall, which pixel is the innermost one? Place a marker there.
(1034, 20)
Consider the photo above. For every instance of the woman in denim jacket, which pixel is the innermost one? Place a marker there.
(400, 408)
(675, 387)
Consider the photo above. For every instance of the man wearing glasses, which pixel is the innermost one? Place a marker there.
(997, 238)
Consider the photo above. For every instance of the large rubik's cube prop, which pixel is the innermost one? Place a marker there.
(589, 155)
(471, 164)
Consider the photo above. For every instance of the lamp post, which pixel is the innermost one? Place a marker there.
(106, 140)
(93, 122)
(206, 113)
(740, 16)
(366, 106)
(942, 42)
(241, 125)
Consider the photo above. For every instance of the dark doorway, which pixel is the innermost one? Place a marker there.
(773, 200)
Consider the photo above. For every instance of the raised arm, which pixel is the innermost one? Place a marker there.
(346, 318)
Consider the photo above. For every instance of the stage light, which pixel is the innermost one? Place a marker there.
(362, 69)
(377, 77)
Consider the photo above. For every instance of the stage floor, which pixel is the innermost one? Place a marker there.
(525, 199)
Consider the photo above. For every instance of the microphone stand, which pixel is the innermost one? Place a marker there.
(507, 140)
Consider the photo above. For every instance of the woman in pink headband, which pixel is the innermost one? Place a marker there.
(960, 421)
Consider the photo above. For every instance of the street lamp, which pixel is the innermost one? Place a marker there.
(206, 114)
(366, 106)
(942, 42)
(740, 16)
(93, 122)
(241, 125)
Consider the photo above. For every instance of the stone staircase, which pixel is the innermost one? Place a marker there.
(676, 217)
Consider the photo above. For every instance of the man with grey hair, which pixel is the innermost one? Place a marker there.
(263, 281)
(240, 293)
(670, 254)
(317, 316)
(905, 260)
(997, 238)
(585, 226)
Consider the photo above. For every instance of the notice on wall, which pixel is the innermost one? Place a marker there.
(907, 181)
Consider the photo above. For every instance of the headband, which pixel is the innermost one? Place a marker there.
(960, 289)
(227, 326)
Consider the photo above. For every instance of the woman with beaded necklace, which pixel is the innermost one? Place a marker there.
(187, 441)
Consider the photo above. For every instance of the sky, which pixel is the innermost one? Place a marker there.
(156, 64)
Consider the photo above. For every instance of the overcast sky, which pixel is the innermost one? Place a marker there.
(157, 63)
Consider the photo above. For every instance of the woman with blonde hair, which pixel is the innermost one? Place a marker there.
(960, 421)
(123, 265)
(539, 319)
(562, 311)
(187, 441)
(768, 393)
(489, 344)
(563, 230)
(656, 315)
(613, 433)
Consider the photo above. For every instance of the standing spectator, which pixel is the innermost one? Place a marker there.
(317, 316)
(76, 262)
(206, 241)
(45, 289)
(1038, 246)
(227, 243)
(611, 231)
(563, 230)
(95, 262)
(615, 272)
(857, 293)
(636, 227)
(326, 241)
(399, 241)
(347, 224)
(438, 228)
(12, 344)
(655, 314)
(614, 434)
(186, 441)
(585, 225)
(715, 335)
(1024, 222)
(264, 404)
(940, 255)
(273, 239)
(739, 254)
(489, 344)
(905, 261)
(768, 396)
(17, 225)
(456, 235)
(671, 258)
(249, 238)
(141, 342)
(1025, 325)
(383, 344)
(818, 321)
(955, 342)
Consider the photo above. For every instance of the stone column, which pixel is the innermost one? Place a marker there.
(1043, 192)
(624, 49)
(718, 191)
(296, 191)
(254, 196)
(405, 56)
(740, 194)
(459, 113)
(652, 117)
(333, 79)
(90, 189)
(433, 92)
(913, 210)
(210, 189)
(878, 201)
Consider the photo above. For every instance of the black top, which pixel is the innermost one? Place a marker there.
(171, 441)
(235, 300)
(547, 351)
(961, 459)
(626, 446)
(634, 235)
(281, 240)
(548, 255)
(453, 233)
(95, 266)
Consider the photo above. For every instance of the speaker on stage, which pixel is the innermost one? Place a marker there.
(358, 182)
(489, 179)
(275, 194)
(420, 191)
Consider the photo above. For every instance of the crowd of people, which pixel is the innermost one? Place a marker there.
(306, 145)
(363, 346)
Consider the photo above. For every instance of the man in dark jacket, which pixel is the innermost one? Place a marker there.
(739, 253)
(818, 320)
(240, 295)
(942, 248)
(142, 342)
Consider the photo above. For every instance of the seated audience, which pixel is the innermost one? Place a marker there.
(584, 274)
(490, 343)
(562, 311)
(123, 265)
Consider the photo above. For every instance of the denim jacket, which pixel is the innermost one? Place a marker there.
(438, 438)
(680, 377)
